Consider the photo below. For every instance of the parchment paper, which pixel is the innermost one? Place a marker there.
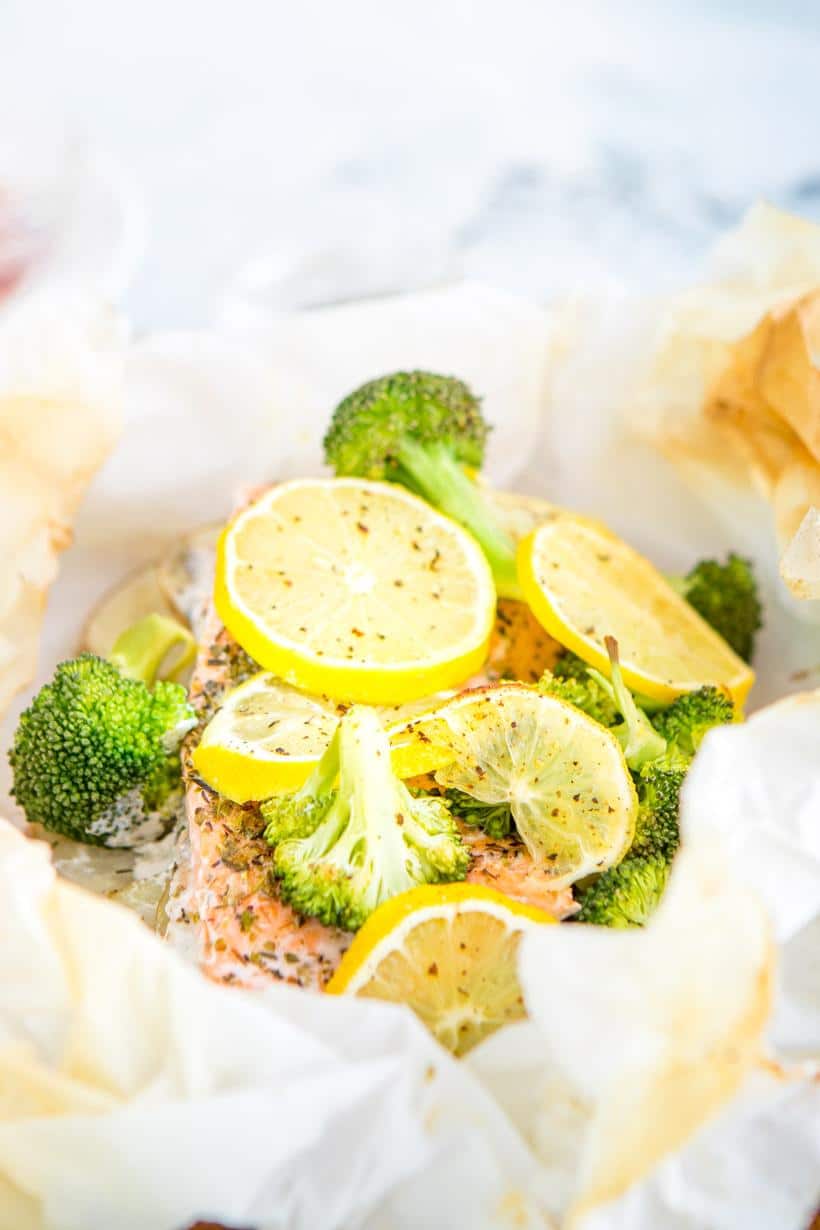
(134, 1094)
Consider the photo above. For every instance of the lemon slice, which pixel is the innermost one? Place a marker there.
(447, 951)
(410, 755)
(354, 589)
(267, 737)
(563, 775)
(584, 583)
(264, 740)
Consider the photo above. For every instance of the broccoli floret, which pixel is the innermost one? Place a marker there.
(659, 753)
(726, 596)
(685, 722)
(421, 430)
(93, 755)
(626, 895)
(495, 819)
(656, 826)
(570, 680)
(363, 842)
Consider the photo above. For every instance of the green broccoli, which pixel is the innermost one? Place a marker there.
(496, 819)
(726, 596)
(93, 755)
(339, 853)
(626, 895)
(570, 680)
(685, 722)
(656, 826)
(421, 430)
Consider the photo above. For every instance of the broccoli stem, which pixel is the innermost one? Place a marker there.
(433, 473)
(140, 651)
(636, 734)
(366, 771)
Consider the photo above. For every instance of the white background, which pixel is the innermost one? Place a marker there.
(330, 149)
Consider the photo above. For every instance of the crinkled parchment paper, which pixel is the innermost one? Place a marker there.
(689, 1052)
(666, 1078)
(723, 380)
(60, 415)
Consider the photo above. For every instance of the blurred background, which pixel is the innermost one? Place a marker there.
(192, 155)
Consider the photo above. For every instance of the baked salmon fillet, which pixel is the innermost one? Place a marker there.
(223, 889)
